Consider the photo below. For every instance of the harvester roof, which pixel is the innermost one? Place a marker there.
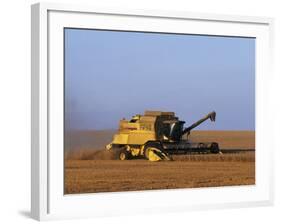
(158, 113)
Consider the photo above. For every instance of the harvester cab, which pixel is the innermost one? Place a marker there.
(156, 136)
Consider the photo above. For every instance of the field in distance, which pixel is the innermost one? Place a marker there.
(89, 168)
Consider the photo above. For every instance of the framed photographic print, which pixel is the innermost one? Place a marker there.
(162, 111)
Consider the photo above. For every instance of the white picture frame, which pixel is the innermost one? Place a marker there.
(48, 200)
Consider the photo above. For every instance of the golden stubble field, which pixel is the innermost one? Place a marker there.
(91, 170)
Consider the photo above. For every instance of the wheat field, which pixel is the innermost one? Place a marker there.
(96, 170)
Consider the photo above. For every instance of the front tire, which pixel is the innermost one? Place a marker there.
(157, 150)
(149, 146)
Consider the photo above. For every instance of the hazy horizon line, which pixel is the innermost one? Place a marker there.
(112, 129)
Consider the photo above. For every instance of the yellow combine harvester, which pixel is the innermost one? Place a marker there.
(156, 135)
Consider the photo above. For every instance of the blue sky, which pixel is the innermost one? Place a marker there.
(111, 75)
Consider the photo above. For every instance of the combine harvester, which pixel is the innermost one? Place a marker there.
(156, 135)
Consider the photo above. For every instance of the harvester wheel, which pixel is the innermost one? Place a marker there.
(154, 152)
(124, 154)
(148, 147)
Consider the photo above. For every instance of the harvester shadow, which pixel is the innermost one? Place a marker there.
(225, 151)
